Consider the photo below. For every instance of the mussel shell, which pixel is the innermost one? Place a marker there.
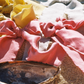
(24, 72)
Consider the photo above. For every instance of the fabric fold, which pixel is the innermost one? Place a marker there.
(65, 40)
(12, 38)
(9, 44)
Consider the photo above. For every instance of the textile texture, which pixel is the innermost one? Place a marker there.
(65, 40)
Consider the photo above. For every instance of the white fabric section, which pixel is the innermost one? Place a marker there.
(50, 2)
(52, 12)
(44, 43)
(73, 11)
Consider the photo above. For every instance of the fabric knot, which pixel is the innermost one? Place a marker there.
(9, 28)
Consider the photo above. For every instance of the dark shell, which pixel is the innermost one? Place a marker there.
(23, 72)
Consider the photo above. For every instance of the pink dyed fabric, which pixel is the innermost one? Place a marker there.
(66, 40)
(11, 43)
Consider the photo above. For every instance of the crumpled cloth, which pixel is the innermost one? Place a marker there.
(65, 41)
(12, 38)
(73, 11)
(25, 12)
(51, 2)
(21, 11)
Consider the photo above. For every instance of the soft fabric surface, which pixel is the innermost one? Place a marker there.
(65, 40)
(23, 12)
(73, 11)
(51, 2)
(49, 38)
(9, 43)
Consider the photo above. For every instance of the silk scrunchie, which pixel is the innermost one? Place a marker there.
(12, 38)
(65, 41)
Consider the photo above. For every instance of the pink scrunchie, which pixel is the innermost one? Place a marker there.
(66, 40)
(14, 37)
